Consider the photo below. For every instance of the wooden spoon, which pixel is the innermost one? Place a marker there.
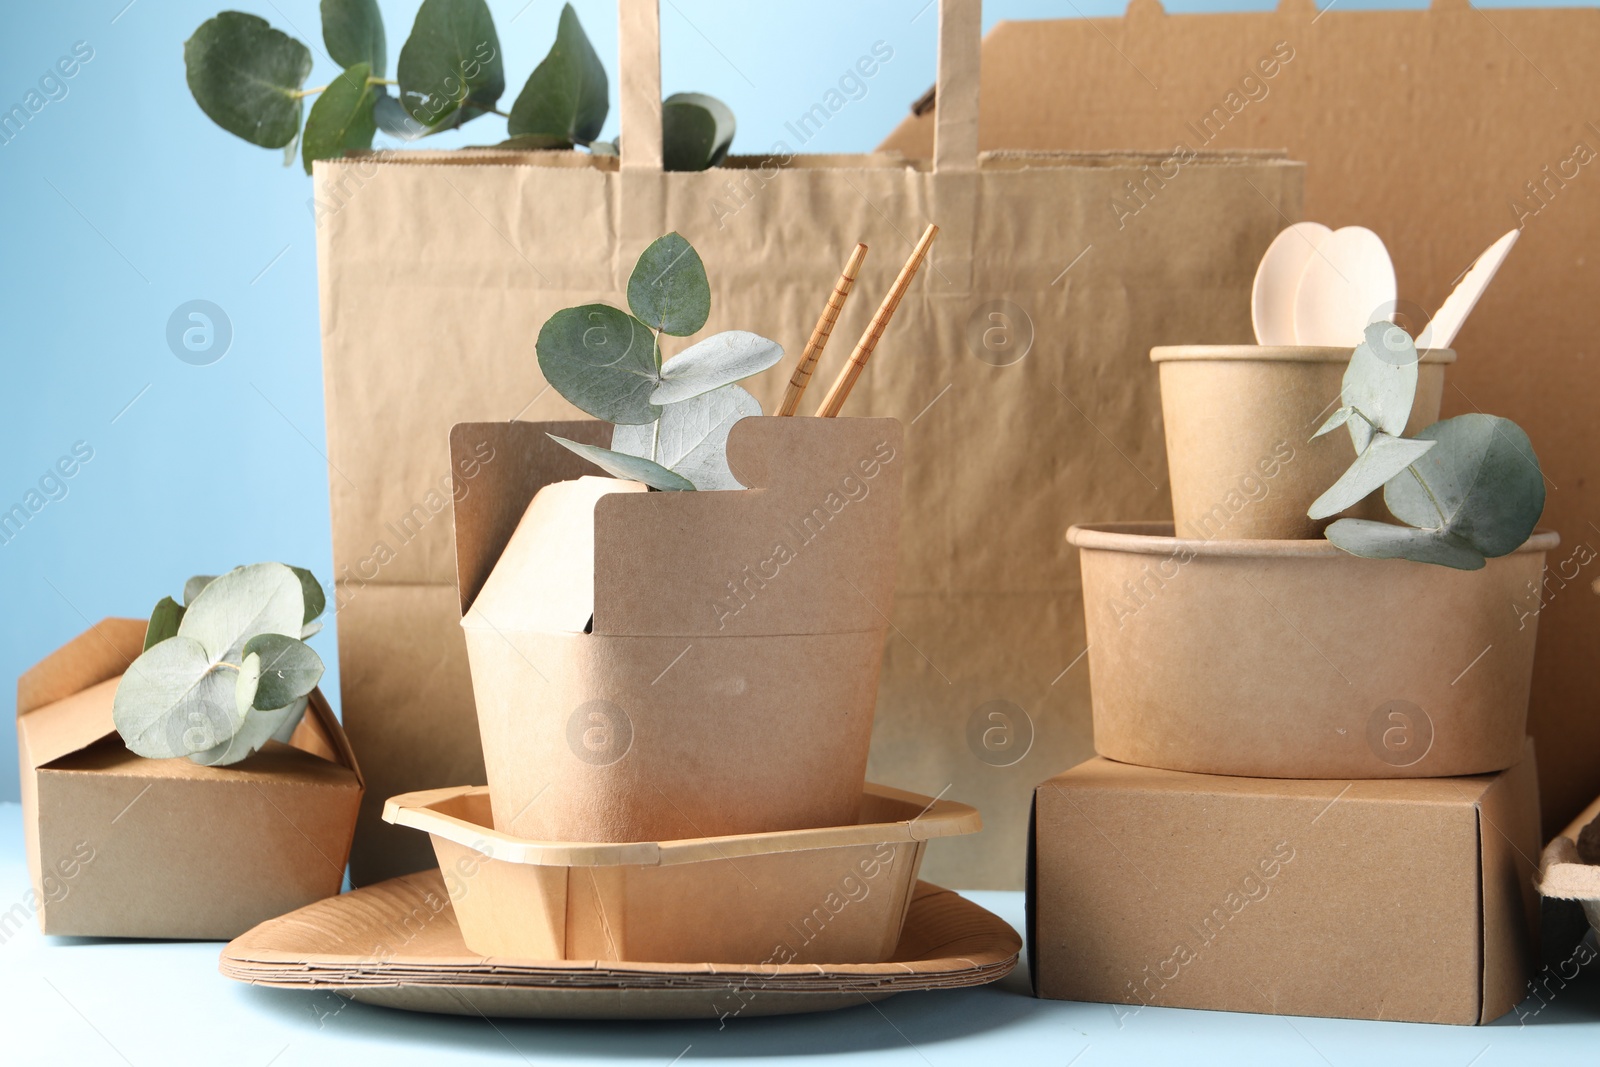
(1347, 284)
(1447, 321)
(1278, 279)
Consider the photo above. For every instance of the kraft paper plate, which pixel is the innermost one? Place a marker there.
(396, 944)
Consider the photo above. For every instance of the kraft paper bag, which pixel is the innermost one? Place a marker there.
(1018, 364)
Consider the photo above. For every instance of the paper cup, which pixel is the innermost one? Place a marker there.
(1239, 420)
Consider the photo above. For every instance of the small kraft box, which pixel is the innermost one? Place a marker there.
(124, 846)
(1407, 900)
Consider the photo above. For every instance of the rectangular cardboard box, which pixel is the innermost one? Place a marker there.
(123, 846)
(1401, 900)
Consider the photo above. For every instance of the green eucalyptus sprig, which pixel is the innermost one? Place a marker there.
(250, 79)
(1470, 487)
(672, 417)
(227, 670)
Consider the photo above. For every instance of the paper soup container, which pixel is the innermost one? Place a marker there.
(654, 666)
(832, 895)
(1239, 420)
(1293, 659)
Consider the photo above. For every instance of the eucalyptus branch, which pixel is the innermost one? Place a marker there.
(1485, 503)
(231, 58)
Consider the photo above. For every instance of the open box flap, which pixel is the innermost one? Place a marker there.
(64, 701)
(497, 469)
(56, 713)
(544, 580)
(800, 552)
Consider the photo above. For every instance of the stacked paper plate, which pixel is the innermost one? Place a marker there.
(398, 944)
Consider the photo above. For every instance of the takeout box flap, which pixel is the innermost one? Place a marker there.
(64, 702)
(58, 708)
(809, 547)
(497, 468)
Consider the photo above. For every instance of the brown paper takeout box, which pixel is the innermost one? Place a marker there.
(1399, 900)
(659, 666)
(124, 846)
(833, 895)
(1294, 659)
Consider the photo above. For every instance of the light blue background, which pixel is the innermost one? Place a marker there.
(122, 201)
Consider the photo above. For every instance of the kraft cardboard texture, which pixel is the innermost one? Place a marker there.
(824, 896)
(1274, 658)
(1439, 129)
(1398, 900)
(1019, 373)
(1239, 421)
(397, 943)
(650, 666)
(123, 846)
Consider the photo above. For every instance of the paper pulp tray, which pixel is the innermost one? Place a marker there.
(830, 895)
(1294, 659)
(1569, 882)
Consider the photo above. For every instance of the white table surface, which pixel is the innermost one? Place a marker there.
(84, 1001)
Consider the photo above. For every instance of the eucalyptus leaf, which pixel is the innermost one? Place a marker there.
(718, 360)
(1482, 483)
(246, 683)
(631, 468)
(1382, 540)
(668, 289)
(192, 587)
(696, 131)
(260, 598)
(353, 32)
(1380, 383)
(173, 700)
(603, 360)
(342, 117)
(311, 591)
(247, 77)
(391, 117)
(258, 728)
(693, 436)
(289, 669)
(1336, 420)
(310, 630)
(291, 717)
(450, 62)
(1384, 458)
(566, 95)
(163, 622)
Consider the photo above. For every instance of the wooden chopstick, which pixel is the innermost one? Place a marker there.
(821, 333)
(880, 321)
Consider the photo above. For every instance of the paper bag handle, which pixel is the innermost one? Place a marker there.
(955, 137)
